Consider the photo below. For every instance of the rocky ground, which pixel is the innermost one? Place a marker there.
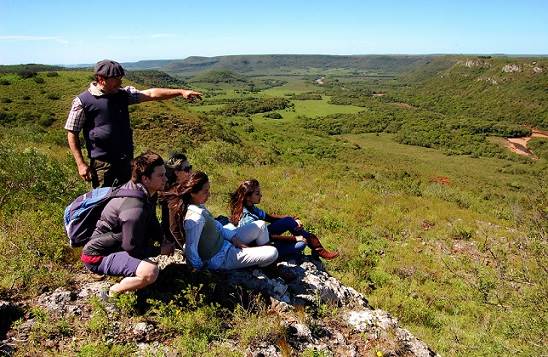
(351, 328)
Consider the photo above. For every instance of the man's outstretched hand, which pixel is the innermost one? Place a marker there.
(191, 95)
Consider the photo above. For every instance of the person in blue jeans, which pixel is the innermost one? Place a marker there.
(243, 211)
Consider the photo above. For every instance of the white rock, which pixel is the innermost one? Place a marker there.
(509, 68)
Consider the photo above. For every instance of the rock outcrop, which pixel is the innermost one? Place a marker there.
(354, 329)
(509, 68)
(475, 63)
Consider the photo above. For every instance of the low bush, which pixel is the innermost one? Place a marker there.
(25, 74)
(273, 115)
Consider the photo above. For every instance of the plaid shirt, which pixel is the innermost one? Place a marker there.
(77, 118)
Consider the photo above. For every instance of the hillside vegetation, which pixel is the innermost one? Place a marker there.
(454, 246)
(455, 109)
(279, 64)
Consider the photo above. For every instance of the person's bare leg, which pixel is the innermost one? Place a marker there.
(146, 274)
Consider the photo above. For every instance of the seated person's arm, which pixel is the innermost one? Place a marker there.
(269, 217)
(226, 233)
(193, 230)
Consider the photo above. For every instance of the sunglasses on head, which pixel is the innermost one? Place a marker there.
(186, 168)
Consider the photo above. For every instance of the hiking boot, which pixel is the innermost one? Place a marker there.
(318, 250)
(97, 277)
(108, 300)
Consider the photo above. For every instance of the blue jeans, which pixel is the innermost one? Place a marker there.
(289, 248)
(288, 224)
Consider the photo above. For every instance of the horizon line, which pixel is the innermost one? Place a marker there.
(497, 54)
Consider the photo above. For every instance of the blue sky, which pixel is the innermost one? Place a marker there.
(69, 32)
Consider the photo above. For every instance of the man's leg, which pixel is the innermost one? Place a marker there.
(121, 172)
(106, 174)
(146, 274)
(100, 171)
(138, 273)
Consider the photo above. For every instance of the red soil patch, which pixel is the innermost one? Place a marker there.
(442, 180)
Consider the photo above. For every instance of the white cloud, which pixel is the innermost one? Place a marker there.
(141, 37)
(32, 38)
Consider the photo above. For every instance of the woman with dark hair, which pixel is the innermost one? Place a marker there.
(178, 171)
(208, 243)
(243, 211)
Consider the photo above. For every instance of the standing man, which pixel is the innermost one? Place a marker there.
(102, 113)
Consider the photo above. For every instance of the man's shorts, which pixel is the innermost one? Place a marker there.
(116, 264)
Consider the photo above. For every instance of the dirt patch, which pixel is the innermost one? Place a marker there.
(519, 145)
(442, 180)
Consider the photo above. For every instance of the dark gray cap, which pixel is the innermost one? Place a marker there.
(108, 69)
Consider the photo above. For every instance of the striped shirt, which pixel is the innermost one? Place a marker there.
(77, 118)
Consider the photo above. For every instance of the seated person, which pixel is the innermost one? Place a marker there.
(178, 170)
(243, 211)
(124, 235)
(208, 243)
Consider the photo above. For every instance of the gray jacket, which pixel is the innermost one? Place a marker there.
(129, 224)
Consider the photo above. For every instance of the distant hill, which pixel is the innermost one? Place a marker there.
(154, 78)
(147, 64)
(280, 64)
(31, 67)
(219, 76)
(287, 63)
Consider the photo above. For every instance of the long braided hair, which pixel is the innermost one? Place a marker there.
(237, 199)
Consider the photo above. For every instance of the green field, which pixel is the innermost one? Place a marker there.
(452, 245)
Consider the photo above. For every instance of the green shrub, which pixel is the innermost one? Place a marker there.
(39, 80)
(53, 96)
(273, 115)
(25, 74)
(220, 152)
(254, 105)
(46, 120)
(6, 100)
(307, 96)
(461, 232)
(33, 188)
(4, 82)
(27, 116)
(539, 146)
(6, 118)
(52, 74)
